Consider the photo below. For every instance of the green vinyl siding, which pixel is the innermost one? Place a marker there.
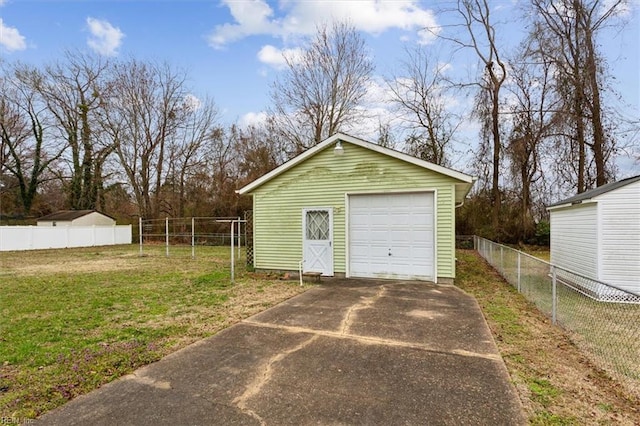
(322, 181)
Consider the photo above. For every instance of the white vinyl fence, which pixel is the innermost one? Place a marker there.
(50, 237)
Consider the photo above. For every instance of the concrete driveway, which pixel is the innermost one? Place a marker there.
(347, 352)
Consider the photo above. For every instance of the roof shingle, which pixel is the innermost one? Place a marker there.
(65, 215)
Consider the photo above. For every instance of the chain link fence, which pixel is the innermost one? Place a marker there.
(603, 320)
(191, 233)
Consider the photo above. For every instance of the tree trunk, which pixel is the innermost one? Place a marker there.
(580, 139)
(495, 131)
(596, 113)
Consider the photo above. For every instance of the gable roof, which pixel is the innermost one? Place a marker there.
(67, 215)
(466, 181)
(592, 193)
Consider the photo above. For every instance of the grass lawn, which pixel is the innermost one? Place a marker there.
(72, 320)
(556, 383)
(540, 252)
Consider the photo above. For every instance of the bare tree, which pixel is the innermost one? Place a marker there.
(419, 94)
(187, 152)
(479, 36)
(321, 91)
(26, 153)
(144, 111)
(72, 91)
(569, 29)
(533, 120)
(386, 137)
(257, 151)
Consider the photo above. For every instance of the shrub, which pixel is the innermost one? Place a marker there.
(543, 233)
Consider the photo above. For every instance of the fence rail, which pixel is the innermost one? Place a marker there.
(192, 232)
(603, 320)
(52, 237)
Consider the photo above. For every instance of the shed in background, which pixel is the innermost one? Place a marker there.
(76, 218)
(597, 234)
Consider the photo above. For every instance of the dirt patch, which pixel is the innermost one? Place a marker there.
(245, 299)
(556, 383)
(73, 267)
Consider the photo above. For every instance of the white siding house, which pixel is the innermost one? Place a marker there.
(597, 234)
(349, 207)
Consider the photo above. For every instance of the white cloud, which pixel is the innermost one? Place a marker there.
(378, 92)
(192, 102)
(300, 17)
(10, 38)
(105, 39)
(275, 57)
(251, 17)
(253, 119)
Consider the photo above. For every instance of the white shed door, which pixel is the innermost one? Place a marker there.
(392, 236)
(317, 241)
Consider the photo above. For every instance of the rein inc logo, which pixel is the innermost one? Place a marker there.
(16, 421)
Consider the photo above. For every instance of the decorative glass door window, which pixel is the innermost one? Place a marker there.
(318, 225)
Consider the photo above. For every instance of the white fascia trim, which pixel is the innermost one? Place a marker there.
(434, 226)
(347, 242)
(569, 205)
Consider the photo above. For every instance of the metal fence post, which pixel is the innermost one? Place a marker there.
(490, 254)
(554, 301)
(233, 261)
(239, 237)
(193, 238)
(140, 232)
(166, 232)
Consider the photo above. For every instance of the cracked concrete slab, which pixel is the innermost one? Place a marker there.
(380, 384)
(321, 308)
(433, 321)
(346, 352)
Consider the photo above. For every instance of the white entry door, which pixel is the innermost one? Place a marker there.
(317, 245)
(392, 235)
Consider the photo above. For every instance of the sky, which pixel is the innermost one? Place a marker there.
(232, 49)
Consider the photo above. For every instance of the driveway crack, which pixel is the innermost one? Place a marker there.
(263, 377)
(348, 320)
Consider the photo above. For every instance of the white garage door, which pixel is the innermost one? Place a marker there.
(391, 236)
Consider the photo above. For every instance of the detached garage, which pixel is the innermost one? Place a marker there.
(597, 234)
(352, 208)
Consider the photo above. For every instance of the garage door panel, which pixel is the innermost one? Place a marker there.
(413, 254)
(377, 220)
(361, 236)
(401, 235)
(418, 236)
(398, 223)
(398, 219)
